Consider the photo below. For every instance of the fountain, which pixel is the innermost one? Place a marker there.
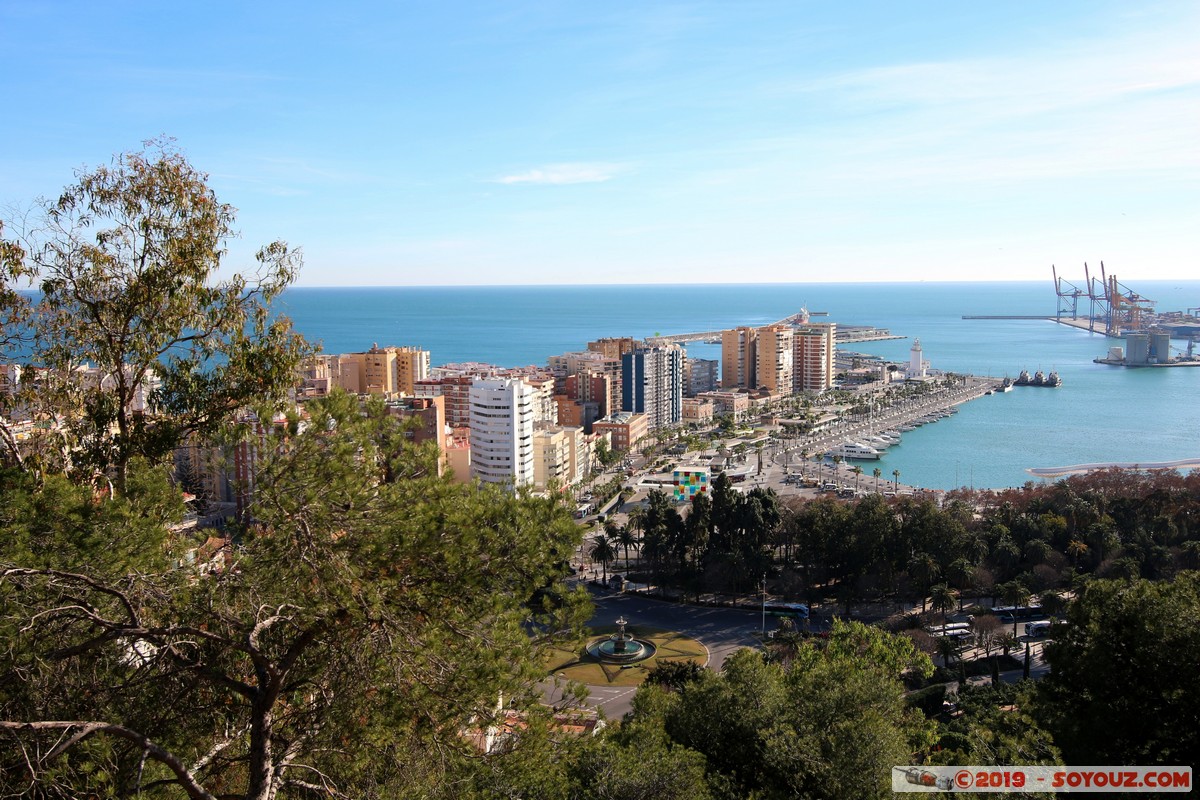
(620, 647)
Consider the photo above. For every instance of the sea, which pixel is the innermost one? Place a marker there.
(1099, 414)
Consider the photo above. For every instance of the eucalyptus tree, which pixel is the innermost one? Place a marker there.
(129, 262)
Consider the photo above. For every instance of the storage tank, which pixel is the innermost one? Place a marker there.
(1160, 347)
(1137, 348)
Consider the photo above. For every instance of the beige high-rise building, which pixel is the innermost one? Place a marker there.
(775, 359)
(383, 370)
(545, 410)
(411, 365)
(814, 347)
(556, 453)
(738, 359)
(614, 347)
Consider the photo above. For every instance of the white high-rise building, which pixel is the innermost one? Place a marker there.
(502, 415)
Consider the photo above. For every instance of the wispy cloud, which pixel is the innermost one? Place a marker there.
(564, 174)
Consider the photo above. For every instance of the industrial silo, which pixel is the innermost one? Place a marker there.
(1160, 347)
(1137, 348)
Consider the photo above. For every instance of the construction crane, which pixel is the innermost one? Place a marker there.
(1099, 300)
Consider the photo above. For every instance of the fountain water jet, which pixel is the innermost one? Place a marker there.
(621, 647)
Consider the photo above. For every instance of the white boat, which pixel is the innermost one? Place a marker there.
(856, 450)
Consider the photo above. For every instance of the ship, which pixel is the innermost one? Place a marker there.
(855, 450)
(1006, 385)
(1039, 378)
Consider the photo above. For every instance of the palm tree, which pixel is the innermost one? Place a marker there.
(1014, 594)
(636, 519)
(896, 480)
(877, 472)
(941, 598)
(602, 551)
(626, 538)
(923, 569)
(947, 647)
(857, 470)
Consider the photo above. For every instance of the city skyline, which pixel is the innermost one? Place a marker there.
(490, 144)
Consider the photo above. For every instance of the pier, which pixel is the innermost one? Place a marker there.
(844, 333)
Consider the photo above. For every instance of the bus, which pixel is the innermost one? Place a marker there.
(1010, 613)
(958, 631)
(792, 610)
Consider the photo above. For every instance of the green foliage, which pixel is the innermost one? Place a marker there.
(127, 260)
(372, 614)
(1122, 689)
(996, 725)
(829, 725)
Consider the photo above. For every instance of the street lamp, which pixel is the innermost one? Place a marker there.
(764, 605)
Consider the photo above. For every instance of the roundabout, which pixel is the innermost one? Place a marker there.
(616, 657)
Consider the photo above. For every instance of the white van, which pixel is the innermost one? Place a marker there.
(1037, 628)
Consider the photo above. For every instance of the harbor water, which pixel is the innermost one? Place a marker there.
(1100, 413)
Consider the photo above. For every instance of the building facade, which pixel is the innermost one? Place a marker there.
(775, 356)
(502, 413)
(739, 358)
(652, 384)
(815, 346)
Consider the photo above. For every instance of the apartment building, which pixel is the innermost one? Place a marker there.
(456, 391)
(385, 371)
(703, 375)
(428, 416)
(739, 360)
(502, 414)
(612, 348)
(624, 429)
(814, 348)
(557, 452)
(775, 353)
(652, 384)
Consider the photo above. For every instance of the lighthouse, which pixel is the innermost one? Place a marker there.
(916, 364)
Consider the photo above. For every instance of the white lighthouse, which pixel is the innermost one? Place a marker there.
(916, 364)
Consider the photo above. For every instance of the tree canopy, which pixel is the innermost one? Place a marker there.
(344, 642)
(128, 264)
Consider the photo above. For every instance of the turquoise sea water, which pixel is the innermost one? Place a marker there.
(1100, 413)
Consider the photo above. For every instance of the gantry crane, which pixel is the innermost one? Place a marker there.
(1066, 296)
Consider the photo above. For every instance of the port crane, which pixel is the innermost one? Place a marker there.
(1066, 296)
(1126, 307)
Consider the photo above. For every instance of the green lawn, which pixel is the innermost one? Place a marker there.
(575, 664)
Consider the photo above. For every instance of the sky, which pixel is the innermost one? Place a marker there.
(446, 143)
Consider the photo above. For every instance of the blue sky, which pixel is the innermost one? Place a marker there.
(493, 143)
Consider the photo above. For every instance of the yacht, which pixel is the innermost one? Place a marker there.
(856, 450)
